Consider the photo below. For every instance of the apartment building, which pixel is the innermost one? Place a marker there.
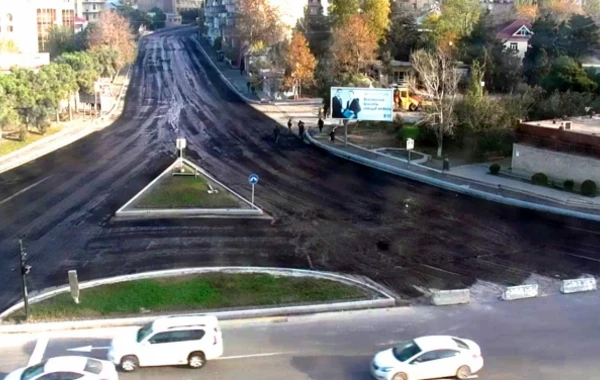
(27, 22)
(318, 7)
(188, 5)
(167, 6)
(91, 9)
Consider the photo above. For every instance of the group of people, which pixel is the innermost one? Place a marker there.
(301, 129)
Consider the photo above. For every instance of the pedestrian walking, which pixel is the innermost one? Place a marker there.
(290, 125)
(248, 86)
(301, 129)
(326, 110)
(276, 133)
(321, 123)
(332, 135)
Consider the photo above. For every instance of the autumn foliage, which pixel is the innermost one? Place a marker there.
(258, 23)
(300, 60)
(112, 30)
(353, 45)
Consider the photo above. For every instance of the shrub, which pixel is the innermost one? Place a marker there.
(539, 179)
(588, 188)
(569, 184)
(22, 133)
(410, 132)
(494, 169)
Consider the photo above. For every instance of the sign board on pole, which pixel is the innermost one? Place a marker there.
(410, 144)
(181, 144)
(253, 179)
(355, 103)
(74, 285)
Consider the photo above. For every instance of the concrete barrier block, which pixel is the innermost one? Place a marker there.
(578, 285)
(520, 292)
(451, 297)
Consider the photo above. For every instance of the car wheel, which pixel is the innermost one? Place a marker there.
(196, 360)
(400, 376)
(412, 107)
(463, 372)
(129, 363)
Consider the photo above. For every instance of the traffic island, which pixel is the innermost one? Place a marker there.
(184, 190)
(228, 292)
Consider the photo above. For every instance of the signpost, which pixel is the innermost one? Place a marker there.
(410, 145)
(181, 144)
(253, 180)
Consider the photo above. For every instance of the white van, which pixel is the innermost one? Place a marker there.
(168, 341)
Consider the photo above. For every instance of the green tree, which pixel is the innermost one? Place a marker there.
(568, 75)
(8, 112)
(403, 36)
(61, 39)
(340, 11)
(86, 68)
(159, 19)
(135, 17)
(457, 20)
(377, 16)
(108, 61)
(582, 37)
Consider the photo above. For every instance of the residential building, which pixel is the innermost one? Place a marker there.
(188, 5)
(318, 7)
(167, 6)
(561, 149)
(91, 9)
(516, 35)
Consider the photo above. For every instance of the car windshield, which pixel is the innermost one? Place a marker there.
(406, 350)
(93, 366)
(33, 371)
(144, 331)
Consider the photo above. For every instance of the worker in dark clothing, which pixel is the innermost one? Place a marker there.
(301, 129)
(332, 135)
(290, 125)
(321, 123)
(276, 133)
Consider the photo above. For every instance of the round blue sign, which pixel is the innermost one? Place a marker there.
(253, 179)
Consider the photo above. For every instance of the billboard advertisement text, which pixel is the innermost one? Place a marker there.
(353, 103)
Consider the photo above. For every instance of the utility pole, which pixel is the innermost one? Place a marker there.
(24, 272)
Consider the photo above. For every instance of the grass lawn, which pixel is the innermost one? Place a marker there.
(193, 292)
(185, 192)
(9, 146)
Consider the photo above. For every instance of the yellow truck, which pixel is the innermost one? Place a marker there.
(405, 101)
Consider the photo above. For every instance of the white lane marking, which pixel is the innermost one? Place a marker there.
(250, 356)
(24, 190)
(87, 349)
(38, 352)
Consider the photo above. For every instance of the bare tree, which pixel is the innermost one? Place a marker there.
(438, 79)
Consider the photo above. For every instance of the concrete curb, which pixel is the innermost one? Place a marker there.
(520, 292)
(384, 300)
(586, 284)
(253, 211)
(451, 297)
(413, 162)
(451, 186)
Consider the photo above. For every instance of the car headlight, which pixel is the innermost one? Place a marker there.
(385, 369)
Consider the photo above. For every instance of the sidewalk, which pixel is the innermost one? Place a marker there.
(240, 81)
(469, 177)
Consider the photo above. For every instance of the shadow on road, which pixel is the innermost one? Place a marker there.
(333, 367)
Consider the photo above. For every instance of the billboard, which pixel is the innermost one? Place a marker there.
(354, 103)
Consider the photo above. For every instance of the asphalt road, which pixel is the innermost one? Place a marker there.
(329, 213)
(550, 338)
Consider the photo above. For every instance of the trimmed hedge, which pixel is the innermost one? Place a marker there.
(588, 188)
(539, 179)
(569, 184)
(494, 169)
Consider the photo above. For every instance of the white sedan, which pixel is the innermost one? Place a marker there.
(428, 357)
(67, 368)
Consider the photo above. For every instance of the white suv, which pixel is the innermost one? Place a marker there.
(168, 341)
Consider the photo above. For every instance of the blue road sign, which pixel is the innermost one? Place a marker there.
(253, 179)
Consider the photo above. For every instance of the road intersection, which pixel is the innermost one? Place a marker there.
(550, 338)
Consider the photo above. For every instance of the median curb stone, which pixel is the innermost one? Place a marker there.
(578, 285)
(451, 297)
(520, 292)
(383, 300)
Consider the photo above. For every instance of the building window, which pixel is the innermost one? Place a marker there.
(9, 22)
(514, 46)
(46, 18)
(313, 11)
(68, 18)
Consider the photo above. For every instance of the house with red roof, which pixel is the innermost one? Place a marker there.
(516, 35)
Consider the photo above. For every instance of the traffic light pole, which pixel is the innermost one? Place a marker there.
(24, 271)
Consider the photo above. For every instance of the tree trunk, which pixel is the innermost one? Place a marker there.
(71, 98)
(57, 116)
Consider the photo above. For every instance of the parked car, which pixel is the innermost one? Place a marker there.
(168, 341)
(428, 357)
(67, 368)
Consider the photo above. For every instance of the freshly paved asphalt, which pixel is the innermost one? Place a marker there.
(550, 338)
(329, 213)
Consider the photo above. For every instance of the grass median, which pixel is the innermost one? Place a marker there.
(8, 145)
(191, 293)
(180, 192)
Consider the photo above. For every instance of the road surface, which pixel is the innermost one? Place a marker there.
(550, 338)
(329, 213)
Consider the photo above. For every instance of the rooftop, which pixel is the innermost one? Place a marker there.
(584, 125)
(517, 29)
